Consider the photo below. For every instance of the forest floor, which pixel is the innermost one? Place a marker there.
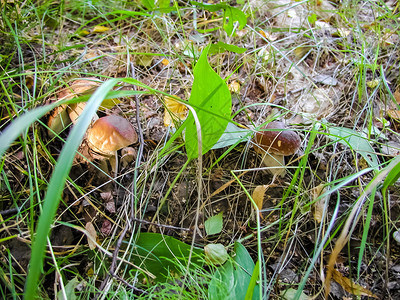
(328, 70)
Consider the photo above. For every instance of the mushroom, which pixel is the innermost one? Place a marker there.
(62, 115)
(274, 144)
(109, 134)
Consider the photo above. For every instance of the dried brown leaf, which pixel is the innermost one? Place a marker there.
(92, 235)
(349, 286)
(396, 96)
(394, 113)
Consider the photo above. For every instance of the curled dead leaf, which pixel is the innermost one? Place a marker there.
(92, 235)
(106, 227)
(319, 205)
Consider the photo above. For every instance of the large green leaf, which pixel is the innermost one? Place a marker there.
(164, 256)
(212, 103)
(231, 281)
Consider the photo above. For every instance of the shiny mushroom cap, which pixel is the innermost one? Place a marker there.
(111, 133)
(277, 140)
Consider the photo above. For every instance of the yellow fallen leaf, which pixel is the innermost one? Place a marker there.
(258, 195)
(373, 83)
(350, 286)
(173, 110)
(91, 231)
(100, 29)
(83, 33)
(165, 62)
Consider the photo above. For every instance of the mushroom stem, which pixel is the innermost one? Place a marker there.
(114, 164)
(275, 164)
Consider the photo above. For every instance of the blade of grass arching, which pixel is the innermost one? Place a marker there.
(20, 124)
(365, 231)
(56, 186)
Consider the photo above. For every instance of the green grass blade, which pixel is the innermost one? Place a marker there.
(19, 125)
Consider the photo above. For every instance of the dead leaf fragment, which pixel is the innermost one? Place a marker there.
(144, 60)
(325, 79)
(173, 110)
(396, 95)
(351, 287)
(92, 235)
(234, 86)
(269, 36)
(319, 205)
(106, 227)
(108, 201)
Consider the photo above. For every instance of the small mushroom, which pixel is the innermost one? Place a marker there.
(109, 134)
(274, 144)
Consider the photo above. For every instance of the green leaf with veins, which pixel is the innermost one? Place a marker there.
(212, 102)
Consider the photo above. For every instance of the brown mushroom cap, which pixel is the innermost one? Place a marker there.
(280, 142)
(111, 133)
